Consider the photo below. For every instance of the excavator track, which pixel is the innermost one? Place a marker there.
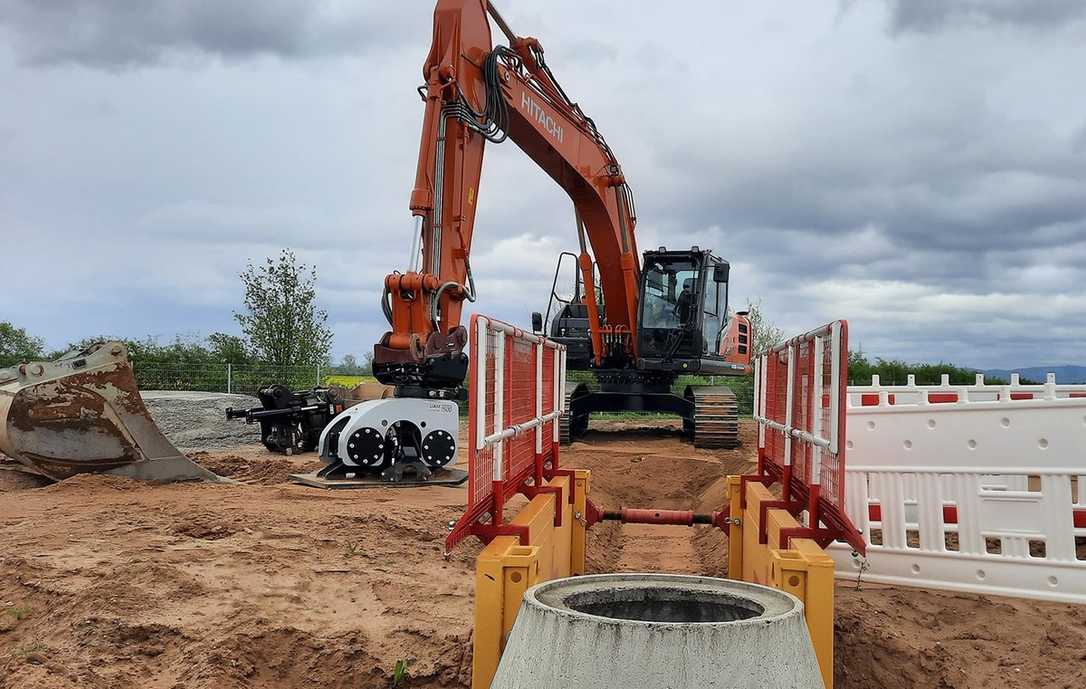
(567, 428)
(716, 417)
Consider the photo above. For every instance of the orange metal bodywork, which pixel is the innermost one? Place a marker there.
(735, 342)
(553, 133)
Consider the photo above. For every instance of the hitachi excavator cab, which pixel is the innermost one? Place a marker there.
(684, 314)
(684, 328)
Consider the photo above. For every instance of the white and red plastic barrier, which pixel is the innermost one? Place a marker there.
(976, 488)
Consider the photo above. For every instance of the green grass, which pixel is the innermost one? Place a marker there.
(399, 673)
(347, 381)
(18, 611)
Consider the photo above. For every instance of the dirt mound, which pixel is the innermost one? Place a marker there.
(257, 465)
(94, 484)
(900, 638)
(247, 587)
(111, 583)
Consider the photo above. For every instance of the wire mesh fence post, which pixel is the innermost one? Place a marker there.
(229, 378)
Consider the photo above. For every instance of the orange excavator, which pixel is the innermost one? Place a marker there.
(645, 324)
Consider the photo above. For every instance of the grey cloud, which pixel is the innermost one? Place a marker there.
(930, 191)
(924, 16)
(113, 34)
(1078, 141)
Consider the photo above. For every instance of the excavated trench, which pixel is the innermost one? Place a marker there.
(653, 467)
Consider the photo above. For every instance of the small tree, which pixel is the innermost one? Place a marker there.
(17, 346)
(228, 348)
(763, 334)
(281, 322)
(349, 365)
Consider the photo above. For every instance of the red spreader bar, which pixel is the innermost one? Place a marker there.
(634, 515)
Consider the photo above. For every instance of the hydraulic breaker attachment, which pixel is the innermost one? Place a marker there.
(83, 413)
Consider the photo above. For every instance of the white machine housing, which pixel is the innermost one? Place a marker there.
(358, 436)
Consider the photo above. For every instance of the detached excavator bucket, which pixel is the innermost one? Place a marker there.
(83, 412)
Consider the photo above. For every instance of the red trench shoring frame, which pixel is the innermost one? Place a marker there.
(516, 388)
(800, 397)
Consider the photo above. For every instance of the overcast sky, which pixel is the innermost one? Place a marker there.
(917, 167)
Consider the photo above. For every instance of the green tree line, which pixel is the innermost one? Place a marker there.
(16, 346)
(897, 372)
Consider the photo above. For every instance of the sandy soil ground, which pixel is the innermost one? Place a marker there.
(265, 585)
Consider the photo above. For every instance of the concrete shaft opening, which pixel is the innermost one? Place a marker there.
(664, 604)
(657, 631)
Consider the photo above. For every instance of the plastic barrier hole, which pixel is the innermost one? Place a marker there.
(793, 581)
(516, 577)
(912, 538)
(972, 444)
(1053, 581)
(981, 574)
(876, 536)
(993, 546)
(1043, 443)
(908, 444)
(1005, 422)
(870, 425)
(849, 444)
(931, 424)
(950, 541)
(1037, 548)
(916, 569)
(1080, 547)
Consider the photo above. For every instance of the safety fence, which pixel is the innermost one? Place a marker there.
(877, 394)
(973, 488)
(516, 392)
(243, 379)
(800, 406)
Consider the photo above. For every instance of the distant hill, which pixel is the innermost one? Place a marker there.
(1067, 375)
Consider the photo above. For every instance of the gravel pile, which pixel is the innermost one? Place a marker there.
(197, 420)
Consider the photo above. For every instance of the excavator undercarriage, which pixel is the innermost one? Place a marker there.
(684, 328)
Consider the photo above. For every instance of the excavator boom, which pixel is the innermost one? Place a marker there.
(475, 93)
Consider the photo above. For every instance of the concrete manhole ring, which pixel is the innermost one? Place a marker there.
(657, 631)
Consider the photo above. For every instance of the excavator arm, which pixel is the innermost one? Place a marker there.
(475, 93)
